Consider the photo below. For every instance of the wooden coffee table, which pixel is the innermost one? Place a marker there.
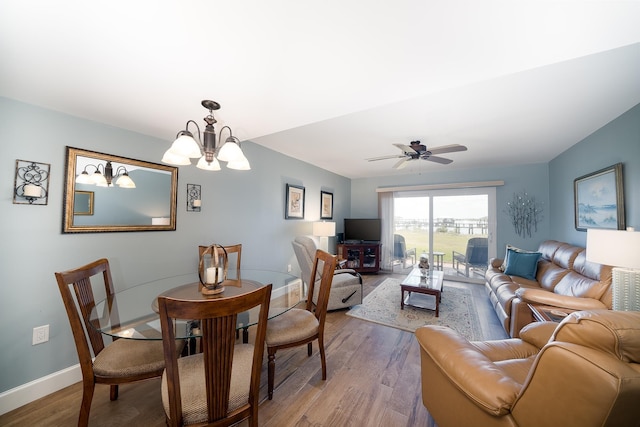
(415, 284)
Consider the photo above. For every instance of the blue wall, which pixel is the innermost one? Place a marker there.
(532, 178)
(237, 207)
(619, 141)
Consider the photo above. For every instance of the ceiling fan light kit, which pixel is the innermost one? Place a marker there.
(417, 151)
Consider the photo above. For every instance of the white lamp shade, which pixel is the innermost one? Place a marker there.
(175, 159)
(213, 166)
(230, 152)
(160, 221)
(241, 165)
(125, 182)
(324, 228)
(84, 178)
(618, 248)
(98, 179)
(186, 146)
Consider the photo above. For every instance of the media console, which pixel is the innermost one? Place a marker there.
(363, 257)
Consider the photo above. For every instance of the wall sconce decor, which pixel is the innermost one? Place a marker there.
(31, 183)
(103, 176)
(204, 147)
(194, 198)
(525, 213)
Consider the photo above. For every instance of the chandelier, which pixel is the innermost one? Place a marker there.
(103, 176)
(186, 147)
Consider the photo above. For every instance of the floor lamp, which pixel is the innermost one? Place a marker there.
(324, 230)
(620, 249)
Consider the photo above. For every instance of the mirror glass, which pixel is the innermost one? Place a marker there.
(148, 203)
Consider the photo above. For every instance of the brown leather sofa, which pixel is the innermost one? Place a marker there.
(564, 278)
(582, 372)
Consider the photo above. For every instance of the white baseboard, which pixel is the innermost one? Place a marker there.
(34, 390)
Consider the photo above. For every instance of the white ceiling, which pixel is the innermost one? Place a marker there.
(337, 81)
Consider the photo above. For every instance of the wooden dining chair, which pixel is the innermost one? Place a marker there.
(231, 249)
(219, 386)
(122, 361)
(298, 326)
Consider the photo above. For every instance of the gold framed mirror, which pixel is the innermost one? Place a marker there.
(126, 194)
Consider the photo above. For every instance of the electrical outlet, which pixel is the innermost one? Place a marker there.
(288, 268)
(40, 334)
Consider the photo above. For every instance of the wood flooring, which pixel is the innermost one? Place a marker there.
(373, 379)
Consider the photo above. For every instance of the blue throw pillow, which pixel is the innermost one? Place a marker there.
(523, 264)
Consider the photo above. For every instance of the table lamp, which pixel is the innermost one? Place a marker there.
(324, 230)
(620, 249)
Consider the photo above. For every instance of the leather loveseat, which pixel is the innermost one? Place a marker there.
(583, 372)
(563, 278)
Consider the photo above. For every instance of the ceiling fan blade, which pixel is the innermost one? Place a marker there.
(447, 149)
(402, 163)
(405, 148)
(393, 156)
(437, 159)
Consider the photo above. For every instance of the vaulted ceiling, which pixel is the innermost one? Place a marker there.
(335, 82)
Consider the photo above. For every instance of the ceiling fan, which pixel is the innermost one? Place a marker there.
(416, 151)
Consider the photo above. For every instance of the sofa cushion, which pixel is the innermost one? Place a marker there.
(566, 254)
(614, 332)
(523, 264)
(549, 274)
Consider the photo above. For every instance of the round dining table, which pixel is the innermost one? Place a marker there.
(132, 313)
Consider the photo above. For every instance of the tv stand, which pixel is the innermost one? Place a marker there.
(363, 257)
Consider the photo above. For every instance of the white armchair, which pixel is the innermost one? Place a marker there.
(346, 289)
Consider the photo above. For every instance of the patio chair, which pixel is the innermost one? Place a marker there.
(476, 255)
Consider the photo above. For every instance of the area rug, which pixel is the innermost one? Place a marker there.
(457, 310)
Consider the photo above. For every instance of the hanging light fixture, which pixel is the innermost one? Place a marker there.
(186, 147)
(103, 176)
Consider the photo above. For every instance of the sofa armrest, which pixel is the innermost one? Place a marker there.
(539, 296)
(496, 262)
(472, 373)
(538, 333)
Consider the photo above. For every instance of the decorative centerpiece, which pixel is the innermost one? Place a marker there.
(213, 269)
(423, 265)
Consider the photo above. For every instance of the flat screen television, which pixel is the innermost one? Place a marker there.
(363, 229)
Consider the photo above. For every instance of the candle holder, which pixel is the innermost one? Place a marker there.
(194, 198)
(212, 269)
(31, 183)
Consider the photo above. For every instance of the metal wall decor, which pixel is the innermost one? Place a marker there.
(194, 198)
(31, 183)
(525, 213)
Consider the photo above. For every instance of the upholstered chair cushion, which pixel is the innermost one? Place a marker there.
(129, 358)
(193, 388)
(291, 326)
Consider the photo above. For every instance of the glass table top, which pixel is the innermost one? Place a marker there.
(133, 312)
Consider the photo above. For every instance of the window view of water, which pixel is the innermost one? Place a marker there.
(456, 219)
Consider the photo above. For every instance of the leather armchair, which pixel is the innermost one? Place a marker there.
(582, 372)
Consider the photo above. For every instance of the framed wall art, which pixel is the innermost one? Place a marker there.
(294, 208)
(326, 205)
(599, 199)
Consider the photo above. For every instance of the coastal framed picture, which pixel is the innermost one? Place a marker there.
(599, 199)
(294, 208)
(326, 205)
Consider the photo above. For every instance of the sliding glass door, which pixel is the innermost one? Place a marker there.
(455, 228)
